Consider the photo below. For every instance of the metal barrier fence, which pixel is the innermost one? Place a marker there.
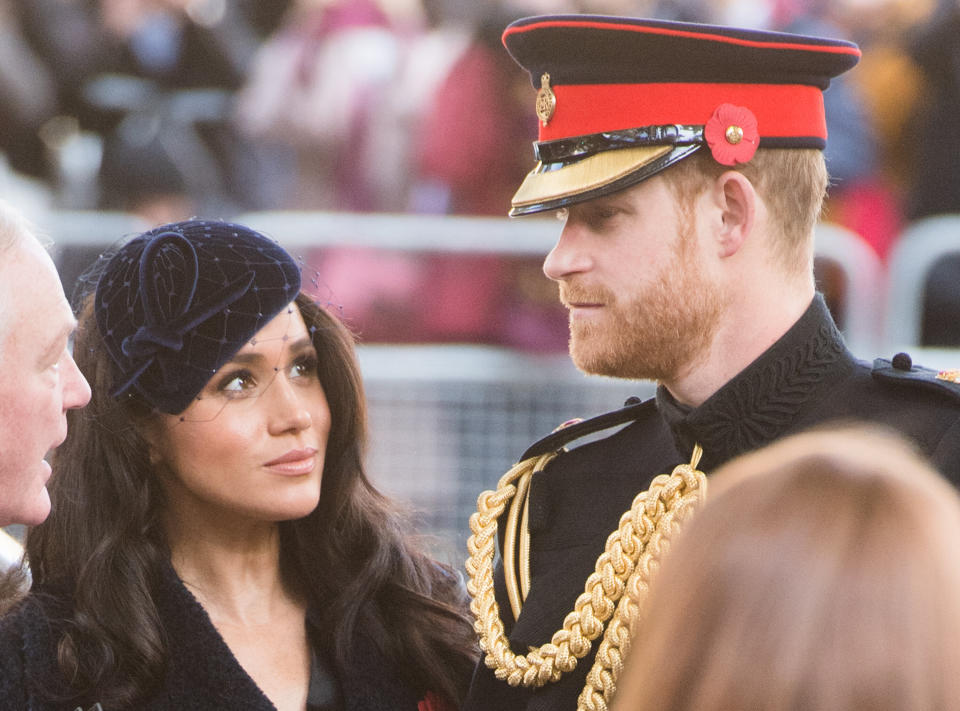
(448, 421)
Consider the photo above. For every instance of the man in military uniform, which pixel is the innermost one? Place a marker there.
(686, 164)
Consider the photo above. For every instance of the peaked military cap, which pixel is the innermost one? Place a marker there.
(620, 99)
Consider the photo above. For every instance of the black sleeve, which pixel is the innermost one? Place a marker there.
(946, 454)
(12, 687)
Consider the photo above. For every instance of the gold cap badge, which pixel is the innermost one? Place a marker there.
(952, 376)
(546, 100)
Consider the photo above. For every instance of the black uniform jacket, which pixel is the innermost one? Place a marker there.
(202, 674)
(805, 378)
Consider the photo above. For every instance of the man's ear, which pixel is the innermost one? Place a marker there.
(737, 199)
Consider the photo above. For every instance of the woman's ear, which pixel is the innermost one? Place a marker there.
(737, 199)
(151, 435)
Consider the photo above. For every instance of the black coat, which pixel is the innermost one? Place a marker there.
(805, 378)
(203, 674)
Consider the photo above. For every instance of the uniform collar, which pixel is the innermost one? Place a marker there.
(761, 402)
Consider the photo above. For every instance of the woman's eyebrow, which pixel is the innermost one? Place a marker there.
(302, 344)
(251, 357)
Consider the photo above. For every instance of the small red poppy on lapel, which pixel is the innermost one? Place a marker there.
(732, 134)
(432, 702)
(568, 423)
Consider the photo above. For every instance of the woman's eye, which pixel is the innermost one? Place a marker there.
(305, 367)
(237, 382)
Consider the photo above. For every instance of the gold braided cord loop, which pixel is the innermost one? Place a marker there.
(602, 590)
(481, 546)
(516, 593)
(689, 488)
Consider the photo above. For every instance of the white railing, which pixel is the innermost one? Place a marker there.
(448, 420)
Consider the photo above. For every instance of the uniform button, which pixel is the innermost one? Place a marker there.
(902, 361)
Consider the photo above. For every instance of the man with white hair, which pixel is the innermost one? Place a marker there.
(39, 380)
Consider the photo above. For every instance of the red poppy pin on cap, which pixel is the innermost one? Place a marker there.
(732, 134)
(620, 99)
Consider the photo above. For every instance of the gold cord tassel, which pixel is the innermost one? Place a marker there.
(631, 554)
(602, 678)
(515, 592)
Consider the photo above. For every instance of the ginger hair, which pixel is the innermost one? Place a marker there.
(791, 182)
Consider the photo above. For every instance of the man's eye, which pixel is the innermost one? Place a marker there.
(52, 363)
(599, 215)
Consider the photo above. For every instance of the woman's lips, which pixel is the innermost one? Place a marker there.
(294, 462)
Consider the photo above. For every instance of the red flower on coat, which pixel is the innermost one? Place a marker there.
(432, 702)
(732, 134)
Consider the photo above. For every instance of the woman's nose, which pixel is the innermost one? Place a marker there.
(289, 412)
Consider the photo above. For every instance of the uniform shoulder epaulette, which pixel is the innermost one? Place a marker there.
(901, 370)
(566, 433)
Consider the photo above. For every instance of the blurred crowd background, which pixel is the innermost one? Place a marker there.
(171, 108)
(159, 110)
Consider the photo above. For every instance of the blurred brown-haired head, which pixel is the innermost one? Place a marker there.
(822, 573)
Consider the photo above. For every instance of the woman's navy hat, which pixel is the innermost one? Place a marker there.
(176, 303)
(620, 99)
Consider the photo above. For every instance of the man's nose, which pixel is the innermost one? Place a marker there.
(76, 389)
(569, 255)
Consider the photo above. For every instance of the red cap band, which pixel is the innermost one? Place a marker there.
(782, 110)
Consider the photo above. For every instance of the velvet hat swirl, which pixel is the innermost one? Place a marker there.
(176, 303)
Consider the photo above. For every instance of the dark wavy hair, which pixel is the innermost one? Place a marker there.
(13, 583)
(353, 558)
